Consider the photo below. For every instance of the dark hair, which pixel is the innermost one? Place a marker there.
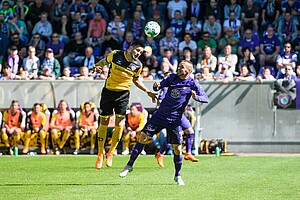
(187, 48)
(137, 43)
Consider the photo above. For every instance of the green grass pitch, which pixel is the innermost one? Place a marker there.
(74, 177)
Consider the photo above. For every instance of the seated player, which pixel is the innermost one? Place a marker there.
(87, 125)
(36, 123)
(12, 126)
(61, 125)
(134, 123)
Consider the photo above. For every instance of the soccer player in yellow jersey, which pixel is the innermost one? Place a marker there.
(125, 69)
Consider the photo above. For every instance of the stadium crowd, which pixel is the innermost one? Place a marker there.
(226, 40)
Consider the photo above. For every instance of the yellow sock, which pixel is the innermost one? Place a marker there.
(126, 141)
(54, 138)
(93, 139)
(64, 139)
(27, 137)
(16, 139)
(5, 139)
(102, 130)
(76, 139)
(116, 136)
(42, 138)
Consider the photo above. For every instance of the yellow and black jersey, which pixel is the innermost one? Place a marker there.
(121, 71)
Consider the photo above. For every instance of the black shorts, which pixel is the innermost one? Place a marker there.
(114, 101)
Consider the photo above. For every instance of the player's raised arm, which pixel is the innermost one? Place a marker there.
(198, 94)
(141, 86)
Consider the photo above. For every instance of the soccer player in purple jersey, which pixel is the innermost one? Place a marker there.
(181, 87)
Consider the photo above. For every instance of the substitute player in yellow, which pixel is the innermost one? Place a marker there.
(124, 69)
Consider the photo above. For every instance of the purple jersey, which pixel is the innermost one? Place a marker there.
(270, 44)
(177, 97)
(251, 44)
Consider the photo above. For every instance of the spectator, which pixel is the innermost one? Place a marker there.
(134, 123)
(164, 71)
(177, 5)
(43, 27)
(155, 8)
(84, 74)
(35, 11)
(169, 41)
(224, 75)
(61, 125)
(119, 8)
(187, 55)
(64, 29)
(266, 75)
(89, 60)
(206, 41)
(3, 46)
(229, 39)
(6, 9)
(146, 74)
(20, 9)
(187, 42)
(194, 8)
(136, 26)
(269, 48)
(6, 73)
(194, 27)
(128, 40)
(214, 28)
(67, 74)
(287, 28)
(117, 28)
(97, 27)
(60, 8)
(288, 58)
(298, 71)
(149, 60)
(81, 7)
(153, 44)
(35, 125)
(170, 59)
(75, 51)
(214, 9)
(249, 41)
(245, 74)
(87, 126)
(207, 59)
(177, 24)
(109, 42)
(16, 25)
(228, 60)
(79, 25)
(31, 63)
(50, 68)
(232, 5)
(270, 13)
(13, 60)
(291, 6)
(232, 23)
(12, 125)
(206, 74)
(157, 18)
(57, 47)
(16, 41)
(3, 25)
(247, 59)
(39, 45)
(104, 73)
(249, 16)
(94, 7)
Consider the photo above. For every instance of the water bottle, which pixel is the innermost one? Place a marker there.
(16, 151)
(217, 151)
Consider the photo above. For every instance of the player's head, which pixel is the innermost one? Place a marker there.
(36, 108)
(87, 107)
(136, 49)
(185, 68)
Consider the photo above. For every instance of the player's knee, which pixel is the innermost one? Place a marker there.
(144, 138)
(177, 149)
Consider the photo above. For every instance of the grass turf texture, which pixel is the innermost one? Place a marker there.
(74, 177)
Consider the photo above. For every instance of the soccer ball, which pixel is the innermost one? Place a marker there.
(152, 29)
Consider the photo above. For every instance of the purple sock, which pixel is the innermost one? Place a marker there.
(164, 147)
(137, 149)
(178, 163)
(189, 139)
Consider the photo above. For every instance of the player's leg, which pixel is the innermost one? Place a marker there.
(126, 139)
(77, 134)
(55, 135)
(5, 136)
(93, 141)
(65, 137)
(27, 137)
(189, 138)
(16, 136)
(42, 135)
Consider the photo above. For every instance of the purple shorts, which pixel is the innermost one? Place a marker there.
(185, 123)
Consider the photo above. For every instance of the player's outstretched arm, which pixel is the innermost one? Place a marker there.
(142, 87)
(98, 66)
(199, 94)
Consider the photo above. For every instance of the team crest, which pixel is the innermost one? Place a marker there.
(175, 93)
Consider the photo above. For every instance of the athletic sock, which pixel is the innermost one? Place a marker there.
(42, 138)
(115, 139)
(137, 149)
(64, 139)
(93, 140)
(177, 163)
(189, 142)
(102, 131)
(77, 139)
(126, 139)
